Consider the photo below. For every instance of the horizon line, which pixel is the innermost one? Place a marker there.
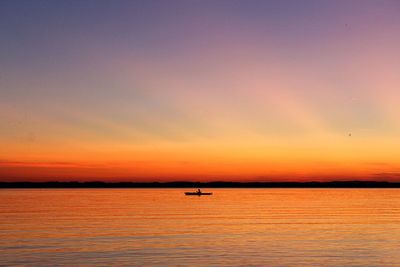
(213, 184)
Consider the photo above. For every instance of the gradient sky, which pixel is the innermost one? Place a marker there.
(199, 90)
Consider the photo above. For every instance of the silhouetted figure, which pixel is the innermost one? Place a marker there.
(198, 191)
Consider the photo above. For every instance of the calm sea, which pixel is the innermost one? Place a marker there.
(160, 227)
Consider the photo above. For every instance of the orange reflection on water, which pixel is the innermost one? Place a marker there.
(275, 227)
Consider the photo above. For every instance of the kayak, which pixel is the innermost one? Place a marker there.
(197, 194)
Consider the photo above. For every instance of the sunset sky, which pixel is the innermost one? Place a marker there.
(199, 90)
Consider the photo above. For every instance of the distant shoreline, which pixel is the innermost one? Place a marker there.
(183, 184)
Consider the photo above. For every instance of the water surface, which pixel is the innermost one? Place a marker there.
(158, 227)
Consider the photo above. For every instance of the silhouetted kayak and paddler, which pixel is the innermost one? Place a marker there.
(197, 193)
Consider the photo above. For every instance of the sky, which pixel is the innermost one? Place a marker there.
(247, 90)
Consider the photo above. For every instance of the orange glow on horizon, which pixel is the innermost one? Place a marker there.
(319, 159)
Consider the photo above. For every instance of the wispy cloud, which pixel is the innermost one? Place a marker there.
(48, 164)
(390, 175)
